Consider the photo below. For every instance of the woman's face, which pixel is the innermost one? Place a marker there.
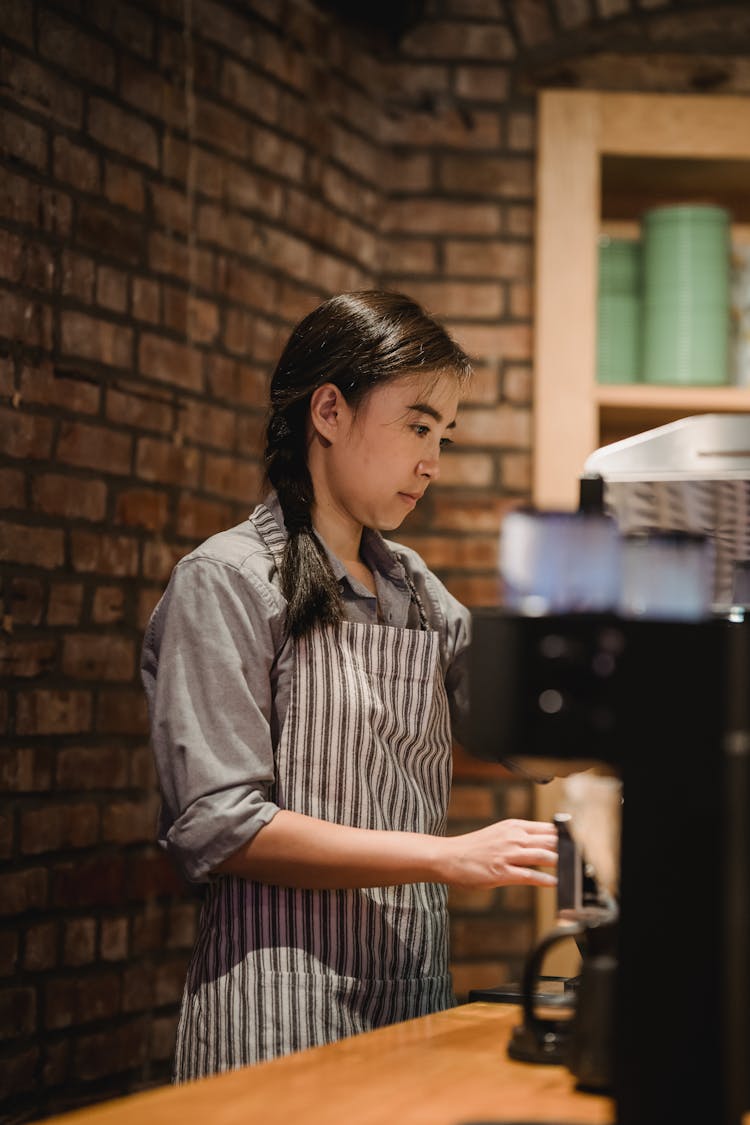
(382, 458)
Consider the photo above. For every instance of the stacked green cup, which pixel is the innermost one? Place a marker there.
(686, 307)
(618, 311)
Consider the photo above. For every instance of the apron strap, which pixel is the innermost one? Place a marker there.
(274, 539)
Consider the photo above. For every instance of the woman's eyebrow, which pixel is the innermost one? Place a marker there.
(425, 408)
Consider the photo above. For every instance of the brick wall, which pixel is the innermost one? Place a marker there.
(179, 183)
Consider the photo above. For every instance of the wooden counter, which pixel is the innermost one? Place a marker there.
(445, 1069)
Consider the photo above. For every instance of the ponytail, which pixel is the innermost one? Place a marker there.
(307, 581)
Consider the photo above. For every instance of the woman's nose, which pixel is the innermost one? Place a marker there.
(429, 467)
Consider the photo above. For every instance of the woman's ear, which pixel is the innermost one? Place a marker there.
(329, 411)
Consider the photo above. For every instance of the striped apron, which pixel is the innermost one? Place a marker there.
(366, 742)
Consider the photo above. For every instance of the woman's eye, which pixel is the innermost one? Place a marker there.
(420, 430)
(445, 442)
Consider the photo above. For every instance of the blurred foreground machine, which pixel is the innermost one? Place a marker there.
(665, 704)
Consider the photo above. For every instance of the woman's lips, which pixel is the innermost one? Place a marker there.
(410, 497)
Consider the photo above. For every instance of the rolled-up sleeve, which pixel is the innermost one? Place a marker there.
(206, 668)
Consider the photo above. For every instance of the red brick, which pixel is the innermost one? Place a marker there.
(111, 1052)
(123, 186)
(482, 83)
(51, 711)
(163, 1036)
(19, 1074)
(459, 40)
(488, 258)
(483, 388)
(29, 321)
(108, 605)
(170, 981)
(25, 769)
(125, 132)
(171, 208)
(7, 829)
(17, 1011)
(92, 767)
(446, 127)
(142, 507)
(170, 362)
(98, 656)
(408, 255)
(127, 25)
(76, 1001)
(21, 140)
(111, 289)
(87, 883)
(533, 21)
(25, 435)
(168, 255)
(146, 300)
(102, 230)
(516, 472)
(23, 890)
(521, 132)
(502, 341)
(94, 447)
(57, 1065)
(130, 822)
(75, 165)
(104, 554)
(41, 946)
(457, 553)
(444, 217)
(145, 408)
(78, 276)
(499, 176)
(147, 600)
(518, 383)
(18, 22)
(27, 658)
(520, 220)
(474, 590)
(151, 876)
(59, 826)
(221, 127)
(194, 317)
(149, 927)
(79, 946)
(500, 426)
(208, 425)
(11, 254)
(138, 991)
(197, 518)
(181, 925)
(521, 301)
(75, 52)
(32, 546)
(167, 462)
(12, 488)
(249, 90)
(25, 600)
(55, 386)
(238, 382)
(65, 602)
(142, 769)
(159, 560)
(460, 511)
(476, 469)
(232, 477)
(459, 299)
(59, 496)
(9, 953)
(113, 939)
(251, 433)
(121, 712)
(99, 340)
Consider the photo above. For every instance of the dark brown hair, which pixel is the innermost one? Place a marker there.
(357, 341)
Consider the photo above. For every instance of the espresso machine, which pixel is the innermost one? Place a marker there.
(635, 659)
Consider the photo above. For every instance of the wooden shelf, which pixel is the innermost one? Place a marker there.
(603, 159)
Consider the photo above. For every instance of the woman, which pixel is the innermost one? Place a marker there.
(302, 674)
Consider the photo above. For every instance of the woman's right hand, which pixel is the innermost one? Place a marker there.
(504, 853)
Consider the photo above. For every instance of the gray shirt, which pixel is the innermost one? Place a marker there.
(217, 668)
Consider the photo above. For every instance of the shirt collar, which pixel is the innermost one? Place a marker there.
(375, 550)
